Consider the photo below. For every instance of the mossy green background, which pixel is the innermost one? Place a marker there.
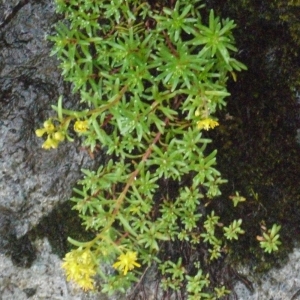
(257, 145)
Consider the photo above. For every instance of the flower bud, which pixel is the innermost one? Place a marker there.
(59, 136)
(40, 132)
(49, 127)
(81, 126)
(50, 143)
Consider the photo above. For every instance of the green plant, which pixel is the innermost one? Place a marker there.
(232, 231)
(269, 240)
(236, 199)
(150, 81)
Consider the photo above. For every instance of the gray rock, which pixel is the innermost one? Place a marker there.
(32, 180)
(277, 284)
(7, 228)
(43, 280)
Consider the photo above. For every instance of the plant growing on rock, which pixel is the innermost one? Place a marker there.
(150, 80)
(269, 240)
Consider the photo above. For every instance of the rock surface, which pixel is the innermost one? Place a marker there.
(32, 180)
(277, 284)
(43, 280)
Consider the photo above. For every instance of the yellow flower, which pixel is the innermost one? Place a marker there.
(59, 136)
(81, 126)
(50, 143)
(40, 132)
(126, 262)
(54, 135)
(207, 124)
(80, 267)
(48, 125)
(48, 128)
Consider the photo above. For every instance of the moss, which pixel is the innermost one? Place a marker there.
(61, 223)
(258, 152)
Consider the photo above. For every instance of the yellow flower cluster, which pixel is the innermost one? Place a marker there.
(207, 124)
(126, 262)
(80, 267)
(54, 137)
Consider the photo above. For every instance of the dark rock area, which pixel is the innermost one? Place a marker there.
(257, 138)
